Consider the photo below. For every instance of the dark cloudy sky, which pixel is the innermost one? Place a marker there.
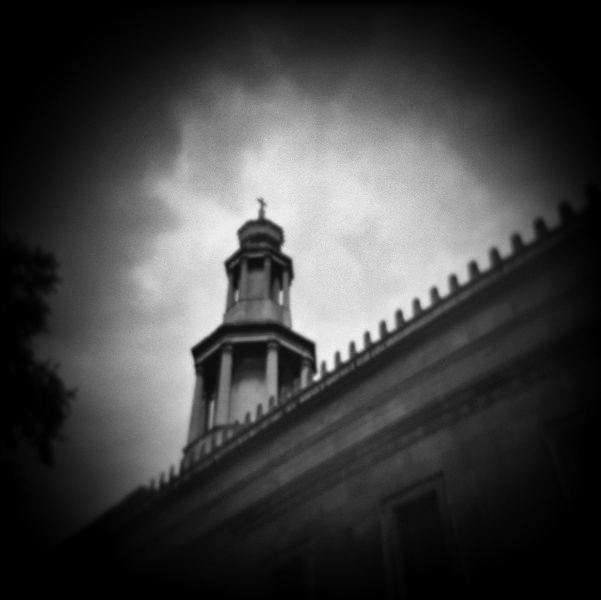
(392, 147)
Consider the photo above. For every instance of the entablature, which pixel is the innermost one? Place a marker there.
(278, 258)
(242, 333)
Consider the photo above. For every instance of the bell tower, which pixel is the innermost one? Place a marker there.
(254, 354)
(259, 274)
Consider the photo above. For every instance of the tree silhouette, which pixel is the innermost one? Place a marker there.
(35, 401)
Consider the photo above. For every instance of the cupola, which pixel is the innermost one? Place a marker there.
(254, 356)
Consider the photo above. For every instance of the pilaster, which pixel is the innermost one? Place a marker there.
(271, 375)
(267, 292)
(243, 285)
(286, 286)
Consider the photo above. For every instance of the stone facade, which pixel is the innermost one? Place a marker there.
(452, 455)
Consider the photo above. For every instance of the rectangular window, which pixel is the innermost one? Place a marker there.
(418, 544)
(573, 442)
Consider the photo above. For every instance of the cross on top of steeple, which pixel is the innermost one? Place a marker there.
(262, 208)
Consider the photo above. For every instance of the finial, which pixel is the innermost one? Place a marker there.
(495, 257)
(262, 208)
(383, 330)
(540, 228)
(473, 269)
(566, 212)
(516, 243)
(453, 283)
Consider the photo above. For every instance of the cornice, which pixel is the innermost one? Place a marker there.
(261, 331)
(277, 256)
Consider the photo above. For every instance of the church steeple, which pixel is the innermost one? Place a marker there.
(243, 366)
(259, 274)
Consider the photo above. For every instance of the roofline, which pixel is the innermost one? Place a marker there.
(227, 440)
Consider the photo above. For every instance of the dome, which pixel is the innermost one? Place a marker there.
(261, 233)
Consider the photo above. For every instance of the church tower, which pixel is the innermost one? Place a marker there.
(251, 361)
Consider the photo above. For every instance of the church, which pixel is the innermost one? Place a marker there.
(451, 455)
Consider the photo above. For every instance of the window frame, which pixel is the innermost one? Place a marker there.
(389, 526)
(301, 550)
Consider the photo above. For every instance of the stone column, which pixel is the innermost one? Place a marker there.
(305, 373)
(268, 276)
(197, 419)
(230, 290)
(271, 371)
(243, 284)
(286, 286)
(225, 384)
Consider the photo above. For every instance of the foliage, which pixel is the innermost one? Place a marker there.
(35, 400)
